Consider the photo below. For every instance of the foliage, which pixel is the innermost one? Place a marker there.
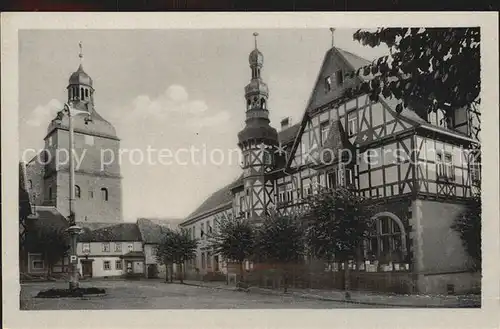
(338, 223)
(280, 239)
(233, 239)
(468, 226)
(176, 247)
(428, 68)
(51, 242)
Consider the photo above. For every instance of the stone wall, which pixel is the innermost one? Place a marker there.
(439, 257)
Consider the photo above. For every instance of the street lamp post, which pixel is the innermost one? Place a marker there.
(73, 230)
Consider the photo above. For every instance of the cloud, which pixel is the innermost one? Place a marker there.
(217, 119)
(42, 114)
(175, 99)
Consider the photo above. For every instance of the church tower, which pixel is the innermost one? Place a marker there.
(98, 189)
(257, 142)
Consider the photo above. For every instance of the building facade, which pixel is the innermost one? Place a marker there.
(418, 169)
(115, 250)
(98, 182)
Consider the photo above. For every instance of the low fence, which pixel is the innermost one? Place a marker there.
(302, 277)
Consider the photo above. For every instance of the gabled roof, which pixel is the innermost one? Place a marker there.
(152, 230)
(335, 143)
(49, 217)
(93, 225)
(288, 135)
(218, 200)
(117, 232)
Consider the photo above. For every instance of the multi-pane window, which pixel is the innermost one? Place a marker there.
(130, 247)
(105, 247)
(289, 193)
(86, 248)
(386, 243)
(306, 187)
(281, 193)
(107, 265)
(352, 123)
(247, 160)
(439, 118)
(444, 166)
(324, 127)
(118, 265)
(332, 179)
(328, 84)
(118, 247)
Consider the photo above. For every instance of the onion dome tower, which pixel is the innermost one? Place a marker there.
(257, 142)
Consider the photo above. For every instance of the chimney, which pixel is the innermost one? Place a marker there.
(285, 123)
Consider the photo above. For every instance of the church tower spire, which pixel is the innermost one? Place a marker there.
(80, 86)
(257, 141)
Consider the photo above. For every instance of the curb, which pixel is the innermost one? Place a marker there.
(312, 297)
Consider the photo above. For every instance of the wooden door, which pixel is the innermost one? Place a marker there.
(87, 269)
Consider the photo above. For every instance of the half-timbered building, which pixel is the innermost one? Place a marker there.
(418, 168)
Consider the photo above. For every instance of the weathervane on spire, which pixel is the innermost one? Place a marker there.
(255, 34)
(333, 36)
(81, 51)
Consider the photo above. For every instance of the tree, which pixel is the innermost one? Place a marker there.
(186, 250)
(468, 226)
(176, 247)
(51, 242)
(339, 222)
(280, 240)
(428, 68)
(165, 251)
(234, 240)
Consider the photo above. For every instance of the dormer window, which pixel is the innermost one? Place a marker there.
(328, 84)
(438, 118)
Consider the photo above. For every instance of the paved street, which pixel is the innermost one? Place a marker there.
(159, 295)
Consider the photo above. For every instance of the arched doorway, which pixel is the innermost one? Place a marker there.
(386, 247)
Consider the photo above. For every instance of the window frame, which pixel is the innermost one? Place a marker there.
(108, 263)
(339, 77)
(106, 247)
(445, 168)
(86, 248)
(352, 123)
(119, 268)
(118, 247)
(104, 194)
(328, 84)
(324, 129)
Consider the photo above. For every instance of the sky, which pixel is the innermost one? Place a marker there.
(172, 90)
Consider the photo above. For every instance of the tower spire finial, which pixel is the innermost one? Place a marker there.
(81, 51)
(255, 34)
(333, 36)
